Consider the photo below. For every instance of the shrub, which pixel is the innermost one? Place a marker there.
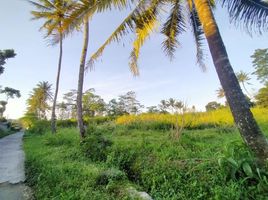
(39, 127)
(95, 146)
(238, 164)
(67, 123)
(98, 120)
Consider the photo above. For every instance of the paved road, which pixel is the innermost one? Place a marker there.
(12, 173)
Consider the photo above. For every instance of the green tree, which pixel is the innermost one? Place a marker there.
(62, 110)
(70, 101)
(4, 55)
(260, 63)
(262, 97)
(53, 12)
(163, 106)
(92, 104)
(114, 108)
(213, 105)
(38, 102)
(253, 14)
(129, 104)
(10, 93)
(152, 109)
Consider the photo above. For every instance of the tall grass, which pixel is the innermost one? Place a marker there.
(216, 118)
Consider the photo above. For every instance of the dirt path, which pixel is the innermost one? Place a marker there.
(12, 173)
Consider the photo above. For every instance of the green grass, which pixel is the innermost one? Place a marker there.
(58, 167)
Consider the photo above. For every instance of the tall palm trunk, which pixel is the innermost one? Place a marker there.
(53, 115)
(243, 117)
(81, 81)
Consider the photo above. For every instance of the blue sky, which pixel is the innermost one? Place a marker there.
(160, 79)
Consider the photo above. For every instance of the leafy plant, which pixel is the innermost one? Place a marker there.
(239, 165)
(95, 146)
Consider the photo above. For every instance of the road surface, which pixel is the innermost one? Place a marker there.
(12, 173)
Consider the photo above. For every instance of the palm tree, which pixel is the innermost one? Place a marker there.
(39, 98)
(243, 78)
(253, 14)
(53, 12)
(82, 12)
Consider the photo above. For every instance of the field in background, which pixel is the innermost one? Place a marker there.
(216, 118)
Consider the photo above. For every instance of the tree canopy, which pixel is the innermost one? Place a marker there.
(4, 55)
(260, 63)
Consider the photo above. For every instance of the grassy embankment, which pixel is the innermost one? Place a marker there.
(207, 163)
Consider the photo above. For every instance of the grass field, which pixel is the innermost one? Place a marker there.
(203, 164)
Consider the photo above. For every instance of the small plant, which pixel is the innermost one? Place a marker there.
(239, 165)
(95, 147)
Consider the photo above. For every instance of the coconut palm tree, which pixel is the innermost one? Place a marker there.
(252, 14)
(39, 98)
(53, 12)
(82, 13)
(243, 78)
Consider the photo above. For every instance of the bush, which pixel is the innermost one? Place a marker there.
(67, 123)
(98, 120)
(95, 146)
(39, 127)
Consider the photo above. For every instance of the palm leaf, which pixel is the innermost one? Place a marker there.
(123, 29)
(198, 34)
(252, 13)
(174, 26)
(39, 6)
(145, 24)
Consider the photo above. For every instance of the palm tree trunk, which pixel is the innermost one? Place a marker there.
(53, 115)
(81, 81)
(243, 117)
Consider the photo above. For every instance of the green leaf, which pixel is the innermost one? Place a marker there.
(247, 169)
(232, 162)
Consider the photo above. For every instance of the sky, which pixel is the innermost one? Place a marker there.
(159, 77)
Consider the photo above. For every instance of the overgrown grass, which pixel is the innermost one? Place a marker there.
(203, 164)
(201, 120)
(56, 168)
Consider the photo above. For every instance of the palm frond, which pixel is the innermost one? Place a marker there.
(145, 24)
(252, 13)
(123, 29)
(174, 26)
(39, 6)
(198, 34)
